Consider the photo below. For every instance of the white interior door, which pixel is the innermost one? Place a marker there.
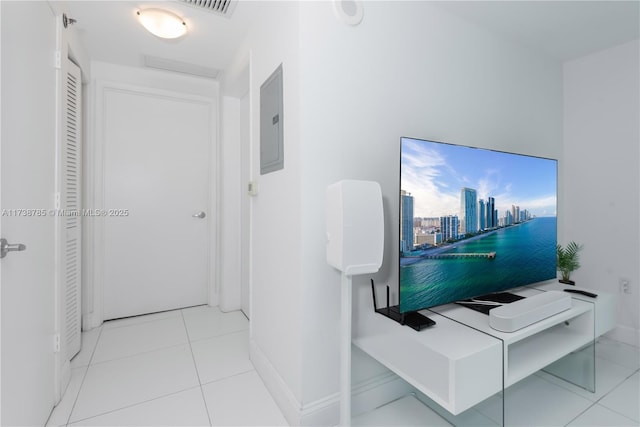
(27, 195)
(156, 197)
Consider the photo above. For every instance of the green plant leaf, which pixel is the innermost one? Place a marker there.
(568, 259)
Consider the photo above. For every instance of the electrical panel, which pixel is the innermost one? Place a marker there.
(271, 124)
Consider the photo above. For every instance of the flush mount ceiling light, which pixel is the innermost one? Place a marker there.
(162, 23)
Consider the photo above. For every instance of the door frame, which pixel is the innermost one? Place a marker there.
(245, 204)
(93, 241)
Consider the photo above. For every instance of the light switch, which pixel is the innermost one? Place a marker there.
(252, 188)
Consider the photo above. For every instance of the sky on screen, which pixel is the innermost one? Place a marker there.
(434, 174)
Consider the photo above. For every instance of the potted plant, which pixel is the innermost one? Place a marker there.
(567, 260)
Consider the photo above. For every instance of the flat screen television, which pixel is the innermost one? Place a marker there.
(473, 222)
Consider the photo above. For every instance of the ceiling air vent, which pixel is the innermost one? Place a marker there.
(221, 7)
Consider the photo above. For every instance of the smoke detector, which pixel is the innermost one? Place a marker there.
(220, 7)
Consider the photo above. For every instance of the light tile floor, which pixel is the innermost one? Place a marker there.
(185, 367)
(191, 367)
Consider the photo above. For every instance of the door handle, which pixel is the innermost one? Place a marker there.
(199, 215)
(6, 247)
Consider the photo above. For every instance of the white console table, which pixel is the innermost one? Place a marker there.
(605, 305)
(454, 365)
(461, 361)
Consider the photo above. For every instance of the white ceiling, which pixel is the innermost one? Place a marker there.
(561, 29)
(111, 32)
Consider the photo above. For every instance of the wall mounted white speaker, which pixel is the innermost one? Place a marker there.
(355, 226)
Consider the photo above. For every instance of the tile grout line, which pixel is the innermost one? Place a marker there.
(617, 362)
(563, 386)
(611, 391)
(142, 323)
(134, 404)
(602, 406)
(195, 365)
(91, 363)
(220, 335)
(139, 354)
(580, 414)
(237, 374)
(597, 401)
(84, 376)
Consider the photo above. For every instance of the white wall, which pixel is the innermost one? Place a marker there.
(276, 286)
(408, 69)
(350, 93)
(601, 157)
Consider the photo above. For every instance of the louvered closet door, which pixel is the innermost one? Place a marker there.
(71, 202)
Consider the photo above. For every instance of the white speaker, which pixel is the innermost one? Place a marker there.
(355, 226)
(519, 314)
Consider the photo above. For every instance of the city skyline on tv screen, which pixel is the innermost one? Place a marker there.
(473, 222)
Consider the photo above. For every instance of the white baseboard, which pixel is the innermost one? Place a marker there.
(625, 334)
(285, 399)
(366, 395)
(378, 391)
